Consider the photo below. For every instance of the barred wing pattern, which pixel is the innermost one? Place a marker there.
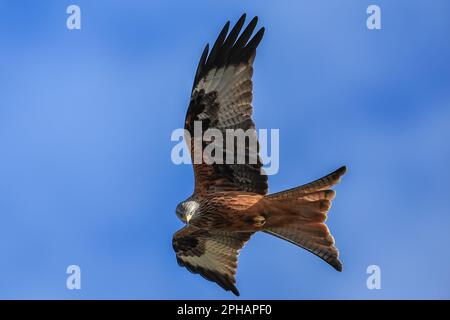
(222, 99)
(212, 254)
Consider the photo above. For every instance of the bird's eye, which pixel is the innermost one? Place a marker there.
(180, 214)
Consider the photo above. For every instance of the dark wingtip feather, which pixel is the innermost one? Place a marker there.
(254, 20)
(241, 20)
(336, 264)
(256, 38)
(246, 34)
(201, 64)
(217, 45)
(205, 51)
(252, 24)
(235, 291)
(339, 172)
(231, 49)
(235, 31)
(226, 27)
(342, 170)
(222, 56)
(250, 48)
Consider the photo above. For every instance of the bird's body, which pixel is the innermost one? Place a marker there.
(227, 211)
(230, 201)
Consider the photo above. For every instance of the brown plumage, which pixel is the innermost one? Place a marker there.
(230, 201)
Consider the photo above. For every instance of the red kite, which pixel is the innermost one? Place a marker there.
(230, 201)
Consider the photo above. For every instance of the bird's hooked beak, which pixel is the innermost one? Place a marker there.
(182, 215)
(186, 210)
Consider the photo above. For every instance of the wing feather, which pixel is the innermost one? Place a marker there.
(222, 99)
(213, 255)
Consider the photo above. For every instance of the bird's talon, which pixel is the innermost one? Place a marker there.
(259, 221)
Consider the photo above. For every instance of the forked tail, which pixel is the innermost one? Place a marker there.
(298, 215)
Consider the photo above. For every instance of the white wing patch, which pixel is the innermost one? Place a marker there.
(214, 255)
(234, 86)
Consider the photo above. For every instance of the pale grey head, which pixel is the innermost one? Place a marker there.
(186, 209)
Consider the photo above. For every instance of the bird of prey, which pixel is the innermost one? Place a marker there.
(230, 202)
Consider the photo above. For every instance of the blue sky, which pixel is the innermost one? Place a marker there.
(86, 116)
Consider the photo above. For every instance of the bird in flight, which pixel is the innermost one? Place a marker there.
(230, 202)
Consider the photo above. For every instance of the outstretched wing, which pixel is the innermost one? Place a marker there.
(213, 255)
(222, 99)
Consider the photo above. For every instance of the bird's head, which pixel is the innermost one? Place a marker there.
(186, 209)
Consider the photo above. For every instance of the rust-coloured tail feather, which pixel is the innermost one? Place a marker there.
(329, 254)
(298, 215)
(317, 185)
